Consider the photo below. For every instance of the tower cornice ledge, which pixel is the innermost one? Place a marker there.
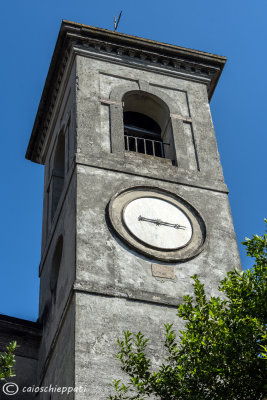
(171, 59)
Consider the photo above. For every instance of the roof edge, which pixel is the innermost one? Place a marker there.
(150, 42)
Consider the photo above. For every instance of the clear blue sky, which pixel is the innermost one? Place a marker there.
(236, 29)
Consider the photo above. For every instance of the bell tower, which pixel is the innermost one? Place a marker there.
(134, 197)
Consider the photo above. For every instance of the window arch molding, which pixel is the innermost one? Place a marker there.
(116, 97)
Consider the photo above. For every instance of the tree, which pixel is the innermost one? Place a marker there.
(222, 351)
(7, 361)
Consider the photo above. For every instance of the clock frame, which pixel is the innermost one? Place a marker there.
(182, 252)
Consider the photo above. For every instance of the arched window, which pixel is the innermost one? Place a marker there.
(142, 134)
(56, 262)
(147, 125)
(58, 172)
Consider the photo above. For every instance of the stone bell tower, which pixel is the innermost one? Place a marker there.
(134, 197)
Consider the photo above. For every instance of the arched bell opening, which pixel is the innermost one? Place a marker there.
(147, 125)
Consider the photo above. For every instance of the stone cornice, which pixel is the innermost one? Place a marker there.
(124, 48)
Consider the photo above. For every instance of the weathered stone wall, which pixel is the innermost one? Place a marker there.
(116, 288)
(53, 309)
(59, 367)
(103, 261)
(100, 320)
(98, 121)
(53, 306)
(62, 122)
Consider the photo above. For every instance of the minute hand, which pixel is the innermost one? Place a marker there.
(159, 222)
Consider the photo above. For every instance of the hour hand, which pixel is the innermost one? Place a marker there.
(159, 222)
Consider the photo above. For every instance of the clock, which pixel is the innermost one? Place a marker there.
(157, 223)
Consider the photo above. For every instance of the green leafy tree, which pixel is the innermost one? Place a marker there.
(222, 351)
(7, 361)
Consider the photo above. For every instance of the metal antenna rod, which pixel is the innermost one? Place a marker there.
(116, 23)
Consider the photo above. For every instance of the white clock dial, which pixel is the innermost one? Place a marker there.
(158, 223)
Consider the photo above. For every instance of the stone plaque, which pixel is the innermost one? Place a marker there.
(162, 271)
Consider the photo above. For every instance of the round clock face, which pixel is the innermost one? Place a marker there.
(157, 223)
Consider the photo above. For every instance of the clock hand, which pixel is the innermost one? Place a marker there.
(159, 222)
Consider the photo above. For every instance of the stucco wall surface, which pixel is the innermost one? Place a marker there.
(99, 322)
(105, 263)
(59, 369)
(97, 119)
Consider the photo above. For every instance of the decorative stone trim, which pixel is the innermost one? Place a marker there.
(182, 65)
(109, 102)
(116, 116)
(181, 117)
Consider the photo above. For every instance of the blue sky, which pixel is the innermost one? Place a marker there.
(236, 29)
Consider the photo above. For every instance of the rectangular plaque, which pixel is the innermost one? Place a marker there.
(163, 271)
